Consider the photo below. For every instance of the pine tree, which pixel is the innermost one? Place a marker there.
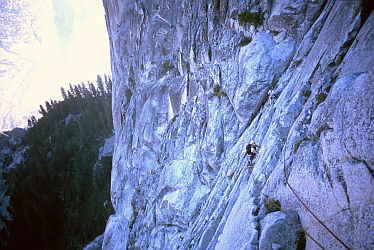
(93, 89)
(85, 91)
(108, 84)
(33, 121)
(100, 85)
(48, 106)
(72, 90)
(77, 92)
(70, 95)
(63, 92)
(81, 89)
(53, 103)
(42, 111)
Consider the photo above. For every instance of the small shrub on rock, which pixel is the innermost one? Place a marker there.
(297, 145)
(254, 18)
(307, 94)
(321, 97)
(216, 88)
(245, 40)
(217, 91)
(166, 67)
(272, 205)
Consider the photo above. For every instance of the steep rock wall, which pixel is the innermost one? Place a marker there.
(190, 90)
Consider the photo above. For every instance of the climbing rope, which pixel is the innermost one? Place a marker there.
(307, 208)
(310, 236)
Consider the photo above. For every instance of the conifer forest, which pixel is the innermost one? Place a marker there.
(60, 193)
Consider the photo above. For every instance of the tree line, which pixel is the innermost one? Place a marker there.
(60, 195)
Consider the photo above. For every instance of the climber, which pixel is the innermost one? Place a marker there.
(271, 96)
(252, 149)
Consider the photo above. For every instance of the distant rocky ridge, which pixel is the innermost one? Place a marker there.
(191, 90)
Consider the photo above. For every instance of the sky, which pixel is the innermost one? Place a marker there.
(46, 44)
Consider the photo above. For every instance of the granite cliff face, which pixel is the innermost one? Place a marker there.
(191, 90)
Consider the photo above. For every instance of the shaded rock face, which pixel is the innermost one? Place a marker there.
(281, 231)
(95, 244)
(180, 176)
(107, 149)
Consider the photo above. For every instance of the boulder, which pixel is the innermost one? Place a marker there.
(281, 230)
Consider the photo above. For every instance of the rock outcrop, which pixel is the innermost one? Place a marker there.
(281, 231)
(191, 83)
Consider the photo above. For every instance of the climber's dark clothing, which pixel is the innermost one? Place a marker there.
(248, 149)
(251, 150)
